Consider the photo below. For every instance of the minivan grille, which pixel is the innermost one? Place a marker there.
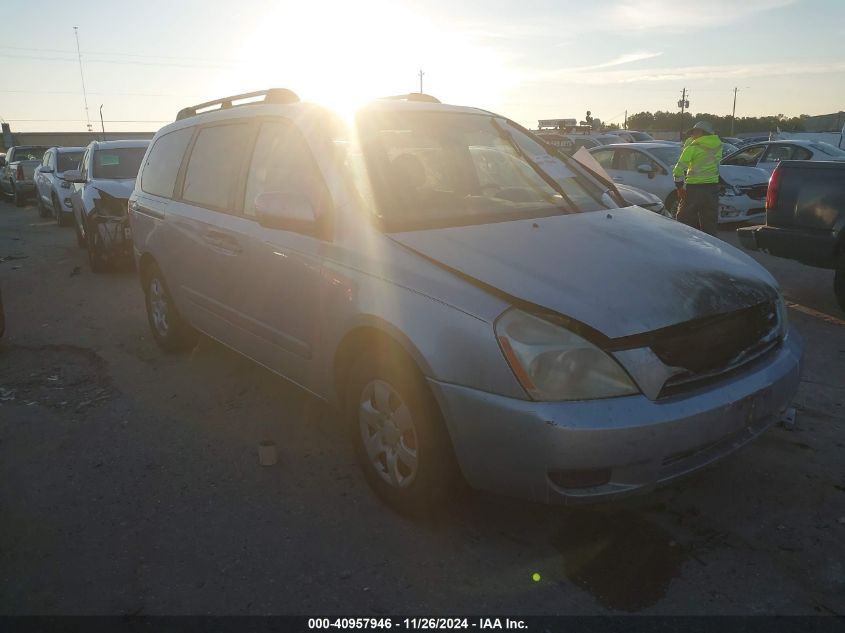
(708, 348)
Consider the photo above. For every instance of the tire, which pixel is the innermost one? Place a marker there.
(400, 438)
(57, 211)
(96, 257)
(839, 281)
(170, 331)
(80, 240)
(17, 198)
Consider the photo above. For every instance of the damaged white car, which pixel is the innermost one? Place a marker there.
(478, 306)
(648, 166)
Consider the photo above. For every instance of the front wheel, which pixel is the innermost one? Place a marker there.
(839, 281)
(400, 438)
(57, 211)
(80, 239)
(170, 331)
(96, 250)
(43, 211)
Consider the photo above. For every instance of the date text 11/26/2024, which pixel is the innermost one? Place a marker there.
(417, 623)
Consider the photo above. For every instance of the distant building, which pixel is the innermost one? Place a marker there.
(67, 139)
(825, 122)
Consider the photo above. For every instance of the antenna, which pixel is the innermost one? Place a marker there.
(82, 76)
(421, 73)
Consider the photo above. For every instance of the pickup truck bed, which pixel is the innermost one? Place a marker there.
(805, 218)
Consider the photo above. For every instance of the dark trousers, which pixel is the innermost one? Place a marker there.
(700, 210)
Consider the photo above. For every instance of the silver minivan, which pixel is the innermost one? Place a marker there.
(480, 307)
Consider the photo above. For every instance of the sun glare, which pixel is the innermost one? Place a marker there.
(343, 54)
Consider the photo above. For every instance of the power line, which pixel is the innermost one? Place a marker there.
(126, 62)
(83, 120)
(110, 94)
(144, 55)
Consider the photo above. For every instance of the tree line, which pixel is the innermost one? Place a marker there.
(669, 121)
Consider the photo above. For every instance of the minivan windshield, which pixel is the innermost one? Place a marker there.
(118, 163)
(434, 169)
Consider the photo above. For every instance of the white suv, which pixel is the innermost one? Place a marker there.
(52, 192)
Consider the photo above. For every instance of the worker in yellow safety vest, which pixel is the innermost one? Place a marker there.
(696, 177)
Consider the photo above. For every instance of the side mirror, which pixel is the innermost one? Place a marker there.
(73, 175)
(286, 211)
(46, 170)
(645, 168)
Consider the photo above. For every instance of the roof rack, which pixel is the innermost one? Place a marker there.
(414, 96)
(273, 95)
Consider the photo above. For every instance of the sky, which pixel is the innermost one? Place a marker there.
(526, 59)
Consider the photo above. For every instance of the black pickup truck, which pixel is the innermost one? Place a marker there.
(805, 218)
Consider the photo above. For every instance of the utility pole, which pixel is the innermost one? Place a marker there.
(102, 124)
(625, 126)
(683, 104)
(733, 112)
(421, 73)
(82, 76)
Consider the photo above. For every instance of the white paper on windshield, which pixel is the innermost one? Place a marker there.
(585, 158)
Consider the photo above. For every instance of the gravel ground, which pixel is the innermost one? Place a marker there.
(129, 484)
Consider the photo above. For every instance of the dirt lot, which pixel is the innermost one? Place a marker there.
(129, 484)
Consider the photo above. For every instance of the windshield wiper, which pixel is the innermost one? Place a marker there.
(505, 135)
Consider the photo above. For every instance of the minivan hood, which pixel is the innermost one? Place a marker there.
(115, 188)
(621, 272)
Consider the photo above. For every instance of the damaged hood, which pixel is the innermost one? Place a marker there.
(621, 272)
(115, 188)
(743, 176)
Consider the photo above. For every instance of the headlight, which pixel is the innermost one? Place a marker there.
(553, 363)
(730, 191)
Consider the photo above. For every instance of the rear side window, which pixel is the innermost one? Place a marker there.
(211, 179)
(162, 165)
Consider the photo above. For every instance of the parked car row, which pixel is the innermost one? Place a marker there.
(648, 166)
(87, 188)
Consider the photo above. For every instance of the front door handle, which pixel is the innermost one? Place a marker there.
(223, 242)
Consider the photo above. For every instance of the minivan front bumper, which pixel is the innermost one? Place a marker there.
(521, 447)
